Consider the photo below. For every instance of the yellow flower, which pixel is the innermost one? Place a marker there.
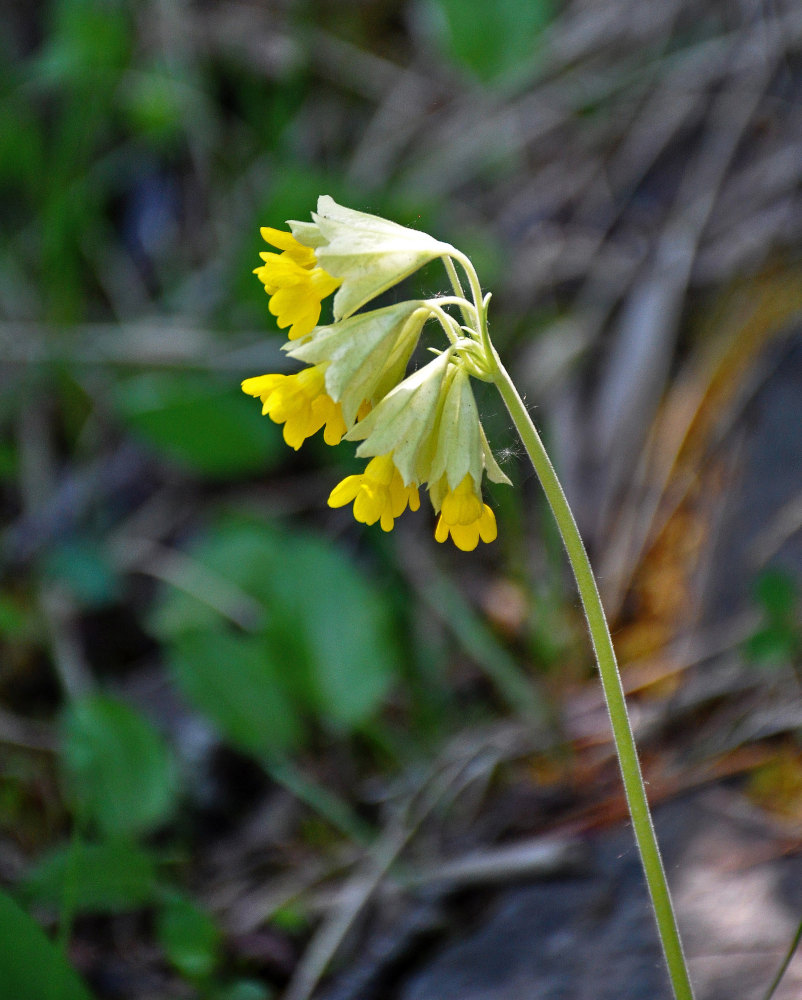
(465, 517)
(378, 493)
(294, 282)
(301, 403)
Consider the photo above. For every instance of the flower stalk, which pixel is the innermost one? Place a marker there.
(611, 684)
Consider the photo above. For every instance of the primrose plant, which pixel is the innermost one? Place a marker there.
(423, 429)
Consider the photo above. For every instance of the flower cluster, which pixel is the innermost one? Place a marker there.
(419, 429)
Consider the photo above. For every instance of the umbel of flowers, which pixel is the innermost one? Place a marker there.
(421, 429)
(418, 429)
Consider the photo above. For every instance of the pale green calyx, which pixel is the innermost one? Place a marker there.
(367, 253)
(367, 354)
(492, 468)
(402, 422)
(458, 441)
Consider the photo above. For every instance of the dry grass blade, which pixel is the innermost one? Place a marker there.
(445, 782)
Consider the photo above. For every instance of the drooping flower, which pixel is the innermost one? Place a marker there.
(366, 253)
(465, 517)
(301, 403)
(366, 355)
(295, 283)
(378, 493)
(403, 422)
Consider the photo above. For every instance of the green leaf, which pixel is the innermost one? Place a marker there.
(111, 877)
(238, 682)
(491, 40)
(773, 645)
(207, 425)
(85, 37)
(777, 592)
(354, 650)
(326, 642)
(117, 768)
(31, 966)
(190, 938)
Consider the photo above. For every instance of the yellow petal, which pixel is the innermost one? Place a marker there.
(378, 494)
(301, 403)
(465, 517)
(286, 241)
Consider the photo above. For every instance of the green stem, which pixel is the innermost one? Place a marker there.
(456, 284)
(611, 684)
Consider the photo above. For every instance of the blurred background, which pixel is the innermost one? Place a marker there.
(243, 737)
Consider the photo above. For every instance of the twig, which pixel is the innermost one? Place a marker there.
(173, 344)
(26, 733)
(539, 857)
(143, 555)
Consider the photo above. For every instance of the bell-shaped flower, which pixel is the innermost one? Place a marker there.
(295, 283)
(367, 253)
(378, 494)
(464, 515)
(403, 421)
(365, 355)
(301, 403)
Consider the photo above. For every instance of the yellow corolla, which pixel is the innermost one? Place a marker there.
(465, 517)
(379, 493)
(294, 282)
(301, 403)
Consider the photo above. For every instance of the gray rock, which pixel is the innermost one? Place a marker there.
(592, 938)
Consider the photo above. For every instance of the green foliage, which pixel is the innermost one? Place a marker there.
(117, 769)
(155, 100)
(87, 38)
(109, 877)
(189, 937)
(321, 641)
(492, 40)
(778, 640)
(31, 966)
(15, 618)
(239, 682)
(199, 421)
